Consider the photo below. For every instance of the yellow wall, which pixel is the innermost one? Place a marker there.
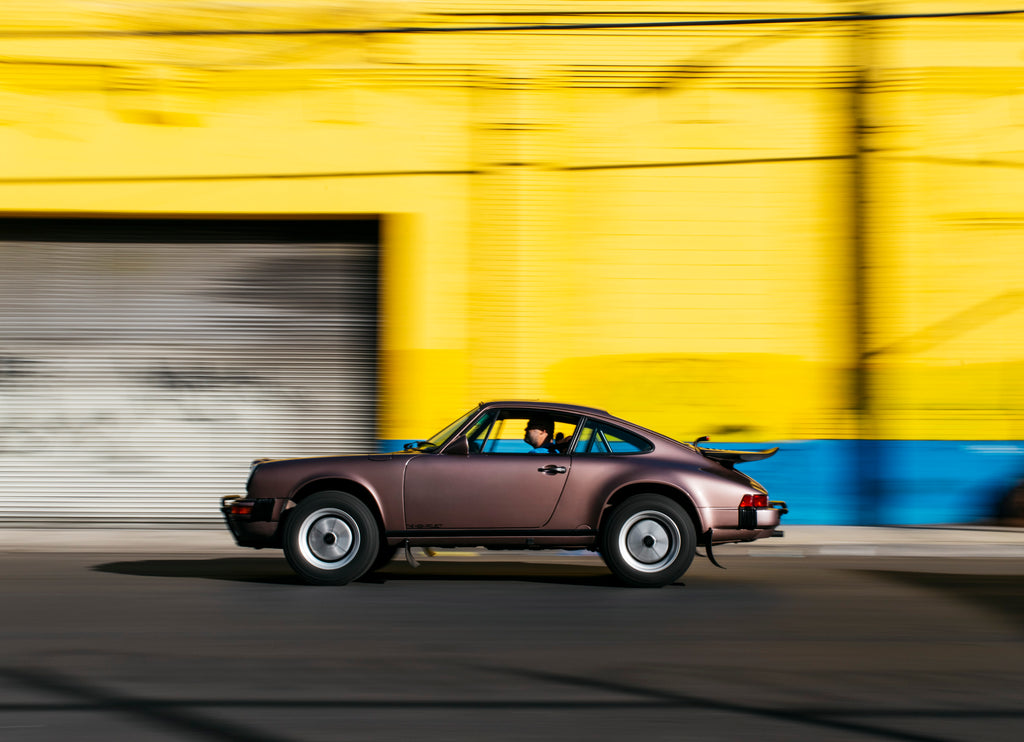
(949, 238)
(657, 222)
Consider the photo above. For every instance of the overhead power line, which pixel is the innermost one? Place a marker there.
(840, 18)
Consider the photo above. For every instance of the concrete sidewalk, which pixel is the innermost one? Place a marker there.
(891, 541)
(894, 541)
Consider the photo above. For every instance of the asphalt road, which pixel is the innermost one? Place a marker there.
(107, 646)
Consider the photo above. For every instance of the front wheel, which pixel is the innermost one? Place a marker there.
(648, 541)
(384, 555)
(331, 538)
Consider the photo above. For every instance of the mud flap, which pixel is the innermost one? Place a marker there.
(409, 558)
(707, 550)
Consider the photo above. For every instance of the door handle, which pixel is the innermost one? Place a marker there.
(552, 469)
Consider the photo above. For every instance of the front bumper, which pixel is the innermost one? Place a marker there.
(253, 522)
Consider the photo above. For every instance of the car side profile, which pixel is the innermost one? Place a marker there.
(509, 475)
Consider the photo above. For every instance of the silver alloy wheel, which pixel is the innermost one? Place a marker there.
(328, 538)
(649, 541)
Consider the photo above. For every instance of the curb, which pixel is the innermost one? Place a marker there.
(798, 541)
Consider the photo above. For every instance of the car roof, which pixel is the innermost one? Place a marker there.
(581, 410)
(552, 406)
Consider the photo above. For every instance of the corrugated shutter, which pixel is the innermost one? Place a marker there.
(142, 370)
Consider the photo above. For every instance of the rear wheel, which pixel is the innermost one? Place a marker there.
(331, 538)
(648, 541)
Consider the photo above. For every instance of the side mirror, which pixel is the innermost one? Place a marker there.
(458, 447)
(700, 440)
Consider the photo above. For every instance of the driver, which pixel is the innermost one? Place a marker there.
(540, 434)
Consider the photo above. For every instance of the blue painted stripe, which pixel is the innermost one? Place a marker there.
(915, 482)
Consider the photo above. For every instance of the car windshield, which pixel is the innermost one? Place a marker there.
(439, 439)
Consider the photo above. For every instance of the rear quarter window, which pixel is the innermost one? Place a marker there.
(604, 439)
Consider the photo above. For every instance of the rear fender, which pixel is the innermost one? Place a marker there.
(653, 488)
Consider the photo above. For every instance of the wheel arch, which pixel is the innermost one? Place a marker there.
(352, 487)
(675, 494)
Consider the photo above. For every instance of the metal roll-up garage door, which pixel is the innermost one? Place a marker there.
(144, 363)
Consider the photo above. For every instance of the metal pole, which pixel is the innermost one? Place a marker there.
(865, 476)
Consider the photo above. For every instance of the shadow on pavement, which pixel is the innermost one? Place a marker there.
(234, 569)
(1002, 593)
(204, 717)
(277, 572)
(565, 574)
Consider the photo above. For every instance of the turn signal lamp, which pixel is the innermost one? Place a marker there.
(754, 501)
(243, 508)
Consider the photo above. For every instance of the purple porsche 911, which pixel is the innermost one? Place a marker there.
(509, 475)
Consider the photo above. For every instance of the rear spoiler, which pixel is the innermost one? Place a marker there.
(729, 459)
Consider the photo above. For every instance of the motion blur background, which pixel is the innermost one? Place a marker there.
(244, 228)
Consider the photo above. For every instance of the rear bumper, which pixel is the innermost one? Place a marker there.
(755, 518)
(745, 523)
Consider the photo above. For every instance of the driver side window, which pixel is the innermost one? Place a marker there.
(507, 431)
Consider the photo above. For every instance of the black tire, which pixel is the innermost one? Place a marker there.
(648, 541)
(384, 556)
(331, 538)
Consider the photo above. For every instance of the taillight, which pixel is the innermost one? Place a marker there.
(241, 508)
(754, 501)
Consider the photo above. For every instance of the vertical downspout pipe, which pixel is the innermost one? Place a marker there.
(865, 475)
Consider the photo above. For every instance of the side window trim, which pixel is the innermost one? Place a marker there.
(588, 443)
(484, 424)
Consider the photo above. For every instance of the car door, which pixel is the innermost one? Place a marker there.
(483, 491)
(500, 484)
